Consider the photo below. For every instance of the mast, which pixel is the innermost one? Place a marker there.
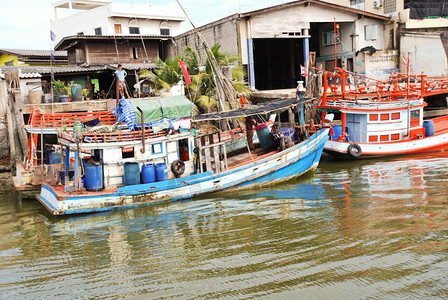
(224, 87)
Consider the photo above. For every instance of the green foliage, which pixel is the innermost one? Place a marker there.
(202, 90)
(165, 75)
(59, 87)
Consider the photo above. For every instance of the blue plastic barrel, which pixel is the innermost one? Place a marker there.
(148, 173)
(288, 132)
(263, 136)
(337, 129)
(161, 172)
(55, 158)
(94, 177)
(48, 155)
(429, 127)
(76, 92)
(131, 173)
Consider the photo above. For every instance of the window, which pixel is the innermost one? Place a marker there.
(133, 53)
(81, 33)
(358, 4)
(373, 138)
(98, 31)
(127, 152)
(395, 137)
(395, 116)
(384, 138)
(415, 118)
(384, 117)
(9, 63)
(134, 30)
(390, 6)
(373, 117)
(117, 28)
(165, 31)
(328, 37)
(371, 32)
(156, 148)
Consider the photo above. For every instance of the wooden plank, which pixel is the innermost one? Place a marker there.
(208, 159)
(91, 105)
(216, 157)
(224, 150)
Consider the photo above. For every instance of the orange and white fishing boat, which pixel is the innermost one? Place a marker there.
(380, 118)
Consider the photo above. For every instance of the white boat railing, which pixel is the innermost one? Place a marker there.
(373, 105)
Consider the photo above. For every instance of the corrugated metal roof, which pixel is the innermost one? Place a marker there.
(135, 66)
(31, 52)
(45, 70)
(69, 41)
(309, 2)
(56, 69)
(23, 75)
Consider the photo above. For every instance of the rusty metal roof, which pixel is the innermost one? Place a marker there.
(46, 70)
(69, 41)
(311, 2)
(31, 52)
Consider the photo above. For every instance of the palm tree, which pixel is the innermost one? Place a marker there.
(165, 75)
(202, 90)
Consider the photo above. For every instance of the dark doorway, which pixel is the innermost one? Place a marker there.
(277, 63)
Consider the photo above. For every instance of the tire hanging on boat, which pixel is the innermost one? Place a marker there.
(178, 168)
(354, 150)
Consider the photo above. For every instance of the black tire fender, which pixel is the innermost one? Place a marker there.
(178, 168)
(354, 150)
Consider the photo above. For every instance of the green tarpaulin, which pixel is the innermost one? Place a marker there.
(154, 110)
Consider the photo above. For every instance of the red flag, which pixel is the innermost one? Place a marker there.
(183, 66)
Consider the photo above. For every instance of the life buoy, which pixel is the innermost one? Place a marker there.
(354, 150)
(178, 168)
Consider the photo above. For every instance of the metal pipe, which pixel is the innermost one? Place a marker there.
(143, 129)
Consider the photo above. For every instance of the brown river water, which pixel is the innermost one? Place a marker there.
(351, 230)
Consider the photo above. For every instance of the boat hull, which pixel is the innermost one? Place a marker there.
(278, 167)
(434, 143)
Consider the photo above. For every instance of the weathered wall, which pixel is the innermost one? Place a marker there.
(4, 58)
(105, 52)
(223, 31)
(4, 143)
(379, 65)
(427, 53)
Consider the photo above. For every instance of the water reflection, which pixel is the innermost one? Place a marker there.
(353, 229)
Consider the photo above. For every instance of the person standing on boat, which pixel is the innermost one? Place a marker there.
(121, 75)
(250, 125)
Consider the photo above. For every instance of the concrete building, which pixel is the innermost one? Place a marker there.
(95, 32)
(421, 28)
(104, 18)
(274, 42)
(22, 57)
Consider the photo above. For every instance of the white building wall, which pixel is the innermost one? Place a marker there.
(272, 24)
(148, 18)
(426, 53)
(361, 40)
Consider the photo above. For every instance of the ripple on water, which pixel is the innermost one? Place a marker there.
(364, 229)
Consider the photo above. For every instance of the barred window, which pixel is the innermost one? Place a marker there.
(390, 6)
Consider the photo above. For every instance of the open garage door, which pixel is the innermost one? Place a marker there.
(277, 63)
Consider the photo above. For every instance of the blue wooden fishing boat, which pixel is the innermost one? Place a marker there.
(145, 166)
